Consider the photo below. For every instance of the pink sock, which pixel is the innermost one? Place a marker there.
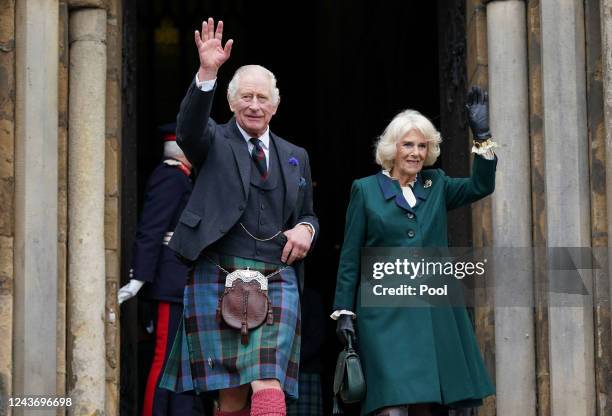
(268, 402)
(244, 412)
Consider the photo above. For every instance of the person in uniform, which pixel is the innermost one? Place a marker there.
(159, 273)
(416, 360)
(251, 209)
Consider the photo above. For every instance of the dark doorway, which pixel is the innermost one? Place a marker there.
(344, 69)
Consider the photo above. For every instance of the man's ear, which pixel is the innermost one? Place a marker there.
(229, 101)
(276, 107)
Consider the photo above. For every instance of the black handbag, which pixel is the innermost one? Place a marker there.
(349, 382)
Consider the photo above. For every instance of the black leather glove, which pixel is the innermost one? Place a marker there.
(478, 113)
(345, 329)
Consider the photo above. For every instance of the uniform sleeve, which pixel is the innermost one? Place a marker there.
(350, 256)
(162, 199)
(463, 191)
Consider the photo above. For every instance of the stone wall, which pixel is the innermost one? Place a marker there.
(112, 206)
(570, 149)
(477, 72)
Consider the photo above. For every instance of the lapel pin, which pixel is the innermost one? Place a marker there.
(293, 161)
(427, 183)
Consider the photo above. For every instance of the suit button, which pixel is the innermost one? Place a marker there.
(262, 206)
(410, 215)
(411, 233)
(222, 230)
(241, 208)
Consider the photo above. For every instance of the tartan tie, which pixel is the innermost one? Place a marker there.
(259, 157)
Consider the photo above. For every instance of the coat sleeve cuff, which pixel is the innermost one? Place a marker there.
(311, 228)
(341, 312)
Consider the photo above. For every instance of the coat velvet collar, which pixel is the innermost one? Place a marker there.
(392, 189)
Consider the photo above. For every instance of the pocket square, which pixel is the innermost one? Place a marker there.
(302, 182)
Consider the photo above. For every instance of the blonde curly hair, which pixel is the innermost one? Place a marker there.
(399, 127)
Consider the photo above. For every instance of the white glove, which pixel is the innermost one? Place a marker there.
(129, 291)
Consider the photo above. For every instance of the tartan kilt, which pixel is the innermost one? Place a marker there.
(310, 402)
(207, 355)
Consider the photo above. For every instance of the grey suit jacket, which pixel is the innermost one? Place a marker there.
(221, 156)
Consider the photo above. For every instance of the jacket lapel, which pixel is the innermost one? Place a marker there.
(241, 154)
(290, 172)
(419, 190)
(391, 189)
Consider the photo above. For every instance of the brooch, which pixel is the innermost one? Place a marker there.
(427, 183)
(293, 161)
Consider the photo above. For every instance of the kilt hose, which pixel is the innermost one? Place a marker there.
(207, 355)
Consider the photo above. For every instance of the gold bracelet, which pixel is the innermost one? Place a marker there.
(481, 147)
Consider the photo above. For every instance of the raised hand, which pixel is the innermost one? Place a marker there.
(210, 49)
(478, 113)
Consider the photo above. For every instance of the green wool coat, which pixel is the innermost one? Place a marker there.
(412, 354)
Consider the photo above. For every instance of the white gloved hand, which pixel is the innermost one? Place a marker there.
(129, 291)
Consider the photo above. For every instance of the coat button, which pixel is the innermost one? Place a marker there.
(241, 208)
(411, 233)
(222, 230)
(410, 215)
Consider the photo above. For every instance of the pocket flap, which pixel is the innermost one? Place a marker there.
(190, 219)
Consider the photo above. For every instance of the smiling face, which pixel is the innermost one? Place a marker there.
(410, 153)
(253, 105)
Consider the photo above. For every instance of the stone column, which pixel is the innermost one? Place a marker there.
(7, 195)
(511, 208)
(572, 385)
(62, 232)
(606, 56)
(35, 261)
(86, 138)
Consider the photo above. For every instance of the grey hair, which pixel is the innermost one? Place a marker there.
(399, 127)
(232, 87)
(171, 149)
